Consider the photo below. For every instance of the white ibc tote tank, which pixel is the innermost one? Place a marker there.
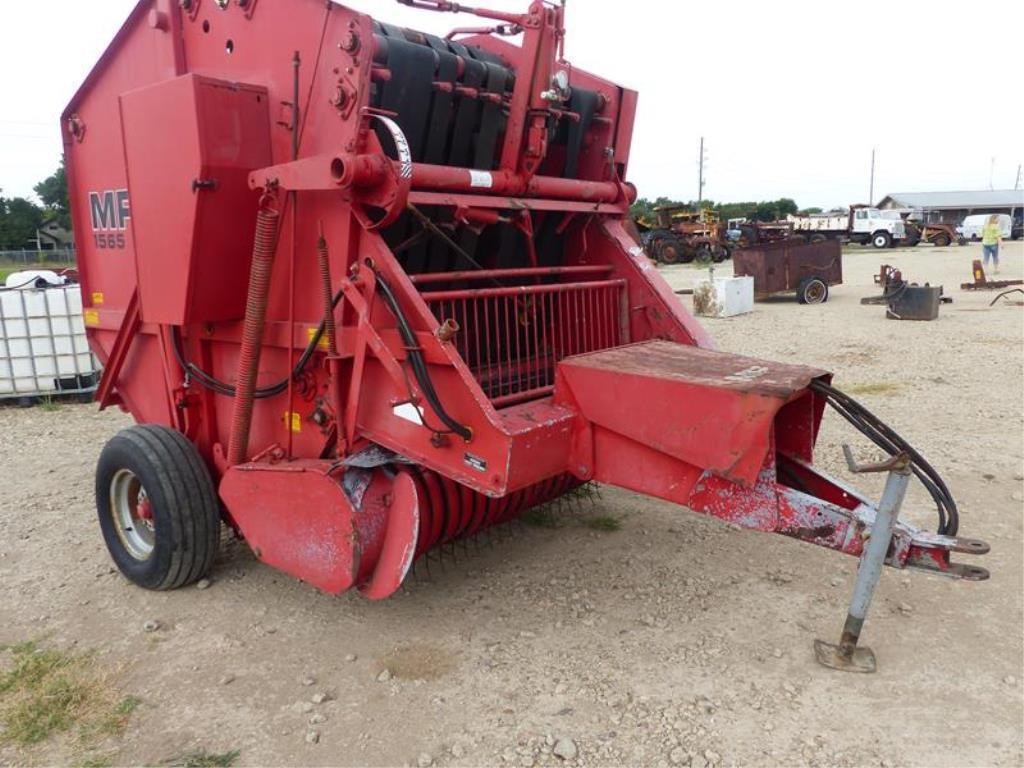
(43, 349)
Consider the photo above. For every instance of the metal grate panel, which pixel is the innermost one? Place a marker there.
(511, 337)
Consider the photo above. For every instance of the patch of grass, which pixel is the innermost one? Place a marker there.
(607, 523)
(203, 759)
(128, 704)
(46, 691)
(49, 405)
(874, 388)
(117, 719)
(540, 517)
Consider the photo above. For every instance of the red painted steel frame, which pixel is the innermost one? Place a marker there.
(555, 373)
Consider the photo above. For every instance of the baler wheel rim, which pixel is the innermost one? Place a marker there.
(128, 500)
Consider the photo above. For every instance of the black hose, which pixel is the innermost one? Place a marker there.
(228, 390)
(889, 441)
(419, 365)
(39, 280)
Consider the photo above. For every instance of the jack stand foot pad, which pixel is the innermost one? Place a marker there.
(830, 655)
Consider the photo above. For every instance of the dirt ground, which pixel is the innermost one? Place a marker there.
(673, 641)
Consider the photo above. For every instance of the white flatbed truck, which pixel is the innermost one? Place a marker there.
(862, 225)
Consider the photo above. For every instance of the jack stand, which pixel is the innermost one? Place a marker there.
(847, 656)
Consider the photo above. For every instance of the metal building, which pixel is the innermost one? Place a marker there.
(952, 207)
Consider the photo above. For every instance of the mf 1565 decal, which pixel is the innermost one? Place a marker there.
(109, 211)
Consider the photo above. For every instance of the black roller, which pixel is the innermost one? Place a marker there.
(585, 104)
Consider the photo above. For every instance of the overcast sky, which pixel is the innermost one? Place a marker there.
(790, 97)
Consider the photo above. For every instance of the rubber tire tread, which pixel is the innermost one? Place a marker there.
(185, 496)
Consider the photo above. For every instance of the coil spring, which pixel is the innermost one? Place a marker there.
(264, 245)
(323, 261)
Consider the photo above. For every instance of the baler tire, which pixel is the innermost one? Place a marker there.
(941, 240)
(182, 500)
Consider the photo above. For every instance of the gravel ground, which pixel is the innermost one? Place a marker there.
(673, 641)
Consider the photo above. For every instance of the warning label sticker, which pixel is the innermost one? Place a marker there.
(481, 179)
(480, 465)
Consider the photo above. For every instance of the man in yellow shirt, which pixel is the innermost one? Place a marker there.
(991, 237)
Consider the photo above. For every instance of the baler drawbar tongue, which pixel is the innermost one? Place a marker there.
(731, 436)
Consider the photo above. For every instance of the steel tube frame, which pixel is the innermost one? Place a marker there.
(516, 290)
(497, 274)
(504, 182)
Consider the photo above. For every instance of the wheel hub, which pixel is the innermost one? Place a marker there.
(132, 514)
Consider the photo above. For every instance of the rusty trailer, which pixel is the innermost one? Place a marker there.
(787, 265)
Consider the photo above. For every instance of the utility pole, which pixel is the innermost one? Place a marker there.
(1016, 184)
(871, 189)
(991, 171)
(700, 177)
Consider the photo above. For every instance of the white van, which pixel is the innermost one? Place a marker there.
(972, 225)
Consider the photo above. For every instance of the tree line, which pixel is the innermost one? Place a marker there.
(766, 210)
(21, 218)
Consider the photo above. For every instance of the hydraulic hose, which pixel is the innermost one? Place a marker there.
(886, 438)
(228, 390)
(419, 365)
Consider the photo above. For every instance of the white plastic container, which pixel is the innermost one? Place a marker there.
(724, 296)
(43, 349)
